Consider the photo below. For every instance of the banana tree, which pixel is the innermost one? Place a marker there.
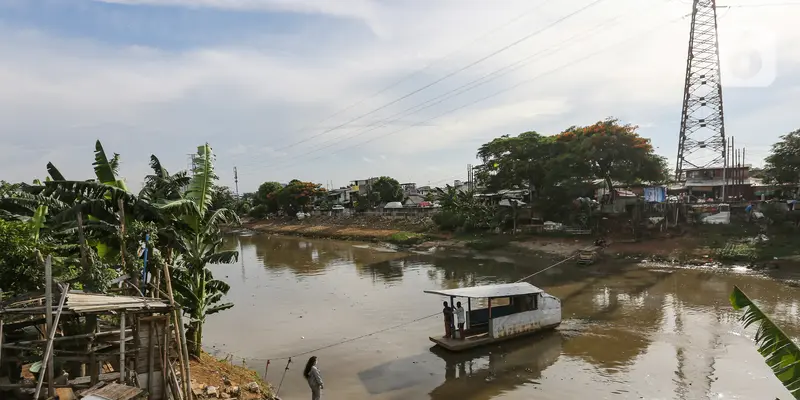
(780, 353)
(199, 244)
(161, 186)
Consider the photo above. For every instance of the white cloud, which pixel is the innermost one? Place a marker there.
(254, 104)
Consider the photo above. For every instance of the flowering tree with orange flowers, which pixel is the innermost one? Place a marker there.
(613, 152)
(298, 195)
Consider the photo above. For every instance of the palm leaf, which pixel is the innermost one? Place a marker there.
(219, 307)
(158, 170)
(38, 220)
(779, 351)
(54, 172)
(222, 257)
(102, 167)
(202, 182)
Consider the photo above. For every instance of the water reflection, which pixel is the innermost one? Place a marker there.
(488, 372)
(629, 331)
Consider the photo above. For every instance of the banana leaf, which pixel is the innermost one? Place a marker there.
(780, 353)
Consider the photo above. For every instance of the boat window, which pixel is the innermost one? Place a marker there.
(526, 303)
(500, 301)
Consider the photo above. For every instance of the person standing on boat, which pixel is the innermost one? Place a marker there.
(460, 317)
(448, 320)
(312, 375)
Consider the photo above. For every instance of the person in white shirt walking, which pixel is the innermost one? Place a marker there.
(460, 317)
(314, 378)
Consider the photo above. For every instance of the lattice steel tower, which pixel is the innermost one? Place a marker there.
(702, 138)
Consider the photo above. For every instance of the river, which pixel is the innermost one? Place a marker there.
(630, 331)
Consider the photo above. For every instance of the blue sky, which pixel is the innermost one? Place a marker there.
(260, 80)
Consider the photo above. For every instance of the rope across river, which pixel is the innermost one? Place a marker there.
(349, 340)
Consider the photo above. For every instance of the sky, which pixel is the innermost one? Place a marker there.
(333, 91)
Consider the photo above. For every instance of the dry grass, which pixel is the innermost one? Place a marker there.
(209, 371)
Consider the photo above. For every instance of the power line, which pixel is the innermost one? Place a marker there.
(415, 73)
(453, 73)
(496, 74)
(590, 55)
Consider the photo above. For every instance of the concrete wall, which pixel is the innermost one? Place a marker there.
(548, 314)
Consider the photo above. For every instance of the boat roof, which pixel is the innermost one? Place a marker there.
(489, 291)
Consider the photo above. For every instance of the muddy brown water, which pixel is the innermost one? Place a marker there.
(630, 331)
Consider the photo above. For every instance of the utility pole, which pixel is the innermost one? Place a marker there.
(236, 181)
(702, 132)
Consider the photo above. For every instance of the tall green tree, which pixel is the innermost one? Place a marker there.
(783, 164)
(200, 244)
(388, 189)
(267, 196)
(780, 353)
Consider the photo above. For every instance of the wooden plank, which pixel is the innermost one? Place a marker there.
(85, 380)
(116, 391)
(65, 394)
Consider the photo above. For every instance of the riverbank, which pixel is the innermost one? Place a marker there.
(738, 243)
(213, 378)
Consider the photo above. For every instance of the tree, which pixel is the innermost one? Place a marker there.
(298, 195)
(222, 197)
(783, 164)
(780, 353)
(160, 186)
(612, 152)
(19, 271)
(523, 161)
(267, 195)
(388, 189)
(200, 244)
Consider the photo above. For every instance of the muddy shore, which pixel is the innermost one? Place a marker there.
(727, 244)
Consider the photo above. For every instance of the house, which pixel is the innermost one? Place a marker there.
(425, 190)
(709, 181)
(340, 196)
(362, 186)
(409, 188)
(414, 200)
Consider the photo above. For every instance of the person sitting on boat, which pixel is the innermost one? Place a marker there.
(448, 320)
(461, 320)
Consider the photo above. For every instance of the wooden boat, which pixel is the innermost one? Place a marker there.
(589, 255)
(511, 310)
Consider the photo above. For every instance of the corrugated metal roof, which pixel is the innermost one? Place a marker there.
(487, 291)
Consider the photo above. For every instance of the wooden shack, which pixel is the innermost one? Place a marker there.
(97, 338)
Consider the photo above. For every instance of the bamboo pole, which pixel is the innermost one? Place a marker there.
(48, 296)
(82, 243)
(150, 356)
(48, 353)
(122, 234)
(122, 348)
(180, 338)
(1, 340)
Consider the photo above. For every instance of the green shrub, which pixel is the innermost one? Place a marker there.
(259, 211)
(449, 220)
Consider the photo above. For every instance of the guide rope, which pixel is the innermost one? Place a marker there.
(289, 358)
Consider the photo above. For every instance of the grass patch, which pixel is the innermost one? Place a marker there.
(406, 238)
